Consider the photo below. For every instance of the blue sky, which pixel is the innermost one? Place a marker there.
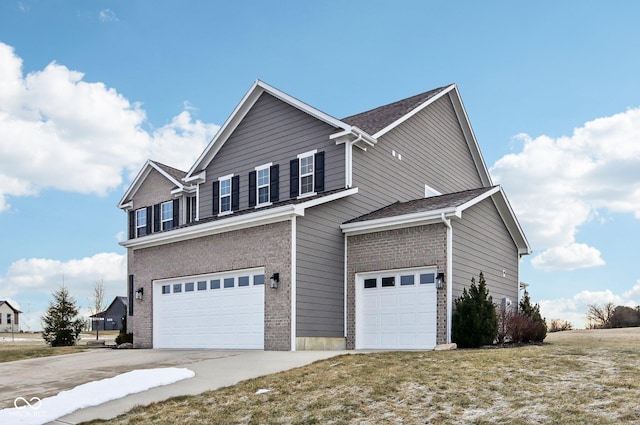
(90, 90)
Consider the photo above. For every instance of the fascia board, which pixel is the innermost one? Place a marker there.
(397, 222)
(165, 174)
(135, 184)
(413, 112)
(478, 199)
(511, 222)
(299, 208)
(201, 177)
(470, 137)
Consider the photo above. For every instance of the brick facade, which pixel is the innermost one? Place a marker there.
(267, 246)
(412, 247)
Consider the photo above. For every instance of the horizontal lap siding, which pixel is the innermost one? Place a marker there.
(433, 150)
(272, 131)
(481, 242)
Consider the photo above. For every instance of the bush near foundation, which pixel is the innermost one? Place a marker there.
(475, 322)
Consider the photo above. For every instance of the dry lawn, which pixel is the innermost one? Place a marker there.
(578, 377)
(23, 346)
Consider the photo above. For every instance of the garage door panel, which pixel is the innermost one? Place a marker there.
(396, 317)
(230, 317)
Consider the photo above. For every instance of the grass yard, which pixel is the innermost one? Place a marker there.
(28, 346)
(578, 377)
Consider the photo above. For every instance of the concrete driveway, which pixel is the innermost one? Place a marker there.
(47, 376)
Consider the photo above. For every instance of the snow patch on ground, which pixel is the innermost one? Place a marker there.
(36, 412)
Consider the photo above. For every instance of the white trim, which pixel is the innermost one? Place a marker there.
(227, 177)
(198, 202)
(396, 222)
(201, 177)
(145, 219)
(260, 167)
(307, 195)
(139, 179)
(312, 155)
(306, 154)
(162, 220)
(413, 112)
(428, 189)
(346, 293)
(448, 275)
(239, 221)
(293, 282)
(268, 185)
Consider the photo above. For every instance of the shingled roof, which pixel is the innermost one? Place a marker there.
(423, 205)
(173, 172)
(376, 119)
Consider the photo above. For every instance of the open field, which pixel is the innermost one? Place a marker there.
(578, 377)
(20, 346)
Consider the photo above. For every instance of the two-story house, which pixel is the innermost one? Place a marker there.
(297, 230)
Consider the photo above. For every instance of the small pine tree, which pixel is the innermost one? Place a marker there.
(61, 322)
(538, 327)
(475, 322)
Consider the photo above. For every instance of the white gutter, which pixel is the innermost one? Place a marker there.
(449, 278)
(388, 223)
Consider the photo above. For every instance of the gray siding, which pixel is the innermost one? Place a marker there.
(433, 150)
(481, 242)
(272, 131)
(155, 189)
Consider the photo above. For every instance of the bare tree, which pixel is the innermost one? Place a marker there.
(97, 301)
(599, 316)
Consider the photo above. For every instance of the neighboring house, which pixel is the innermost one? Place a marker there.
(9, 318)
(111, 318)
(297, 230)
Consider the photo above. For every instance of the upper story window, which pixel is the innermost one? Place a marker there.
(306, 174)
(225, 194)
(167, 215)
(141, 222)
(192, 208)
(263, 185)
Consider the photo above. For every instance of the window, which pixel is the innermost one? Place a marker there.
(306, 174)
(263, 185)
(426, 278)
(215, 284)
(370, 283)
(243, 281)
(388, 281)
(429, 191)
(191, 209)
(188, 287)
(225, 195)
(141, 222)
(177, 287)
(167, 215)
(229, 282)
(166, 289)
(258, 279)
(202, 285)
(8, 318)
(406, 280)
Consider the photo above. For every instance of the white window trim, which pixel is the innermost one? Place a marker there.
(162, 220)
(313, 177)
(268, 185)
(428, 189)
(144, 226)
(221, 179)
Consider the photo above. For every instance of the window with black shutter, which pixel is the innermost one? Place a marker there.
(132, 224)
(176, 213)
(293, 178)
(216, 198)
(274, 179)
(235, 193)
(318, 178)
(156, 217)
(252, 189)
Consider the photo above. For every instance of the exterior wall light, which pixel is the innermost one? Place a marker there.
(273, 280)
(139, 293)
(440, 281)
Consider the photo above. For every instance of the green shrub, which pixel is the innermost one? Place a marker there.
(123, 336)
(475, 322)
(535, 328)
(61, 323)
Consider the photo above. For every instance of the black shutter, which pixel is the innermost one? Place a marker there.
(149, 211)
(156, 218)
(235, 193)
(216, 198)
(132, 224)
(252, 189)
(176, 213)
(188, 212)
(130, 295)
(318, 178)
(294, 170)
(274, 180)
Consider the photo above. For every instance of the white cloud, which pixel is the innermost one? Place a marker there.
(574, 309)
(571, 257)
(60, 132)
(107, 15)
(557, 185)
(46, 275)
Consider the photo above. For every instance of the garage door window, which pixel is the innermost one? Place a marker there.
(229, 282)
(166, 289)
(243, 281)
(389, 281)
(177, 288)
(370, 283)
(258, 279)
(202, 285)
(188, 287)
(427, 278)
(406, 280)
(215, 284)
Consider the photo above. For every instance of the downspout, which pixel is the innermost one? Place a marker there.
(449, 278)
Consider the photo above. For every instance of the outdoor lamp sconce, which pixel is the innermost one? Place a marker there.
(440, 281)
(273, 280)
(139, 293)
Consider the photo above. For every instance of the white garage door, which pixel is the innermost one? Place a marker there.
(224, 310)
(396, 309)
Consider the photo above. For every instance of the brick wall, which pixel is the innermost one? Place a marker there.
(267, 246)
(411, 247)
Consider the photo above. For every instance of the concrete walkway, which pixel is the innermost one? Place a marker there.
(47, 376)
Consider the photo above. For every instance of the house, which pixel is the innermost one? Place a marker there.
(9, 317)
(296, 230)
(111, 318)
